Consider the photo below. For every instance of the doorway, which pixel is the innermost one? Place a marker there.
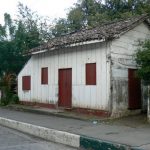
(65, 88)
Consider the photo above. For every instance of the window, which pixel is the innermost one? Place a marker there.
(26, 83)
(44, 75)
(91, 74)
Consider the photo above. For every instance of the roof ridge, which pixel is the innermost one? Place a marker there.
(104, 32)
(110, 22)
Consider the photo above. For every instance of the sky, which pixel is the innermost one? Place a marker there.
(51, 8)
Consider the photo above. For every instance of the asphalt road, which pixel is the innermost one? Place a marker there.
(14, 140)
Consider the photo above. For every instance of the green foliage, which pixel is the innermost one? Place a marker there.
(90, 13)
(16, 36)
(9, 26)
(31, 29)
(76, 19)
(10, 58)
(14, 99)
(61, 27)
(7, 84)
(143, 60)
(2, 32)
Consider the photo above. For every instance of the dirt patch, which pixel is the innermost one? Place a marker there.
(130, 121)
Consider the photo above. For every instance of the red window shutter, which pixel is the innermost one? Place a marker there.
(26, 83)
(44, 75)
(91, 74)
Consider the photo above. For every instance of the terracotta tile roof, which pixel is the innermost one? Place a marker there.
(104, 32)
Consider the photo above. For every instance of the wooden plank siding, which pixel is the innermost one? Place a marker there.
(122, 55)
(83, 96)
(113, 59)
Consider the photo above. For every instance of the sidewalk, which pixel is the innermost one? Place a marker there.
(130, 132)
(55, 112)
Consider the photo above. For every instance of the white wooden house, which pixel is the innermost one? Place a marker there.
(90, 70)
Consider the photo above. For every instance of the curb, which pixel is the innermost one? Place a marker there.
(42, 132)
(77, 141)
(35, 111)
(96, 144)
(136, 149)
(57, 114)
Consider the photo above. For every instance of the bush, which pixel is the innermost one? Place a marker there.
(4, 101)
(9, 99)
(7, 87)
(143, 60)
(14, 99)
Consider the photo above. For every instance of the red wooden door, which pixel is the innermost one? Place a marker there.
(65, 88)
(134, 90)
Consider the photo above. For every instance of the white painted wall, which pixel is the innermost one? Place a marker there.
(111, 91)
(122, 54)
(83, 96)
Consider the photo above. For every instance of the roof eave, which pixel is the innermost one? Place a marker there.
(67, 46)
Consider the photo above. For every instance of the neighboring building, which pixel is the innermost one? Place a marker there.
(90, 70)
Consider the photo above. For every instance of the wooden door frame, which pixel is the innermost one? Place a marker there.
(59, 88)
(140, 103)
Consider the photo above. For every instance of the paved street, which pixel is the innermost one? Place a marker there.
(14, 140)
(133, 134)
(133, 131)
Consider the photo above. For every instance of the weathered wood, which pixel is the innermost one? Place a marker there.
(83, 96)
(104, 32)
(112, 60)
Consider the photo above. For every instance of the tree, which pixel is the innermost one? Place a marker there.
(143, 60)
(90, 13)
(16, 36)
(9, 27)
(86, 13)
(2, 32)
(61, 27)
(76, 19)
(28, 27)
(27, 32)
